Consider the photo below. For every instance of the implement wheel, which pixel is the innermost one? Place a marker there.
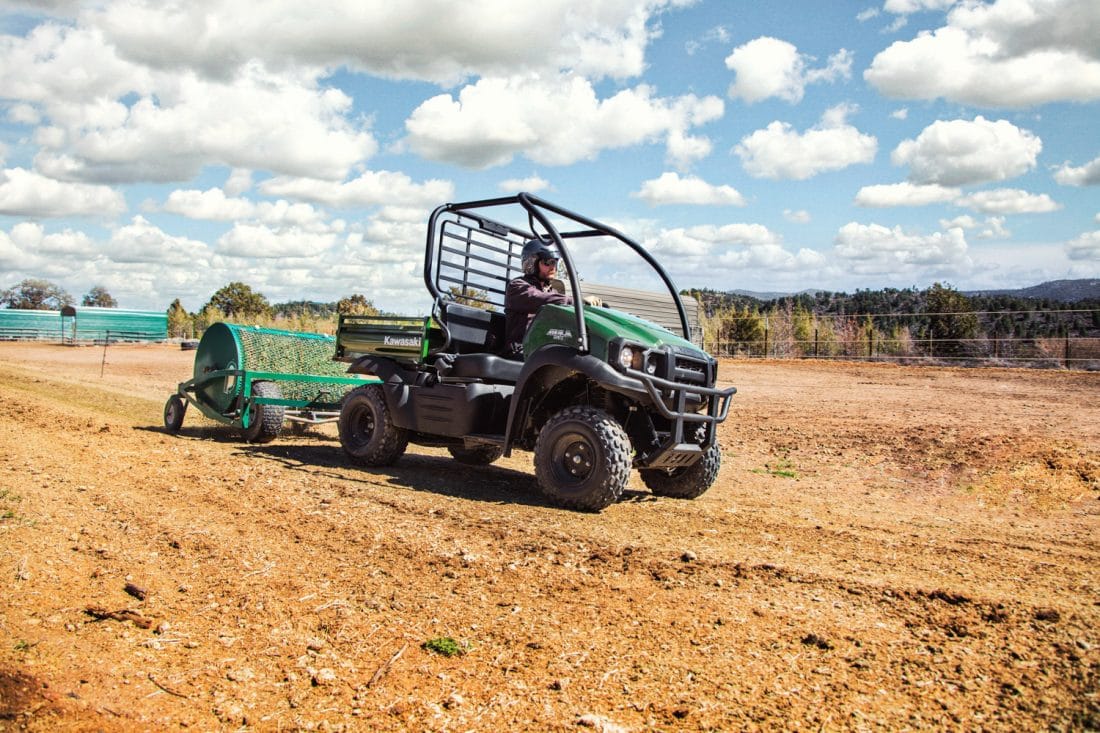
(582, 458)
(367, 433)
(265, 422)
(685, 483)
(174, 410)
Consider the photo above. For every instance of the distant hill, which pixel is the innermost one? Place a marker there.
(1063, 291)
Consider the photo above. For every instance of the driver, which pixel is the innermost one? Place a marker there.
(525, 295)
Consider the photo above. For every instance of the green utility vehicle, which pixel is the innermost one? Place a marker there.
(599, 390)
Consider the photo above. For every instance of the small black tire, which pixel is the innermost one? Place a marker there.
(367, 433)
(265, 422)
(174, 410)
(582, 459)
(481, 455)
(689, 482)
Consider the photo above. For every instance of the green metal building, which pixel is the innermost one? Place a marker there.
(74, 324)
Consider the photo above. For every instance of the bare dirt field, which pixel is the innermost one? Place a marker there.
(887, 548)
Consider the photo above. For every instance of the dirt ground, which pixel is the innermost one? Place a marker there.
(887, 548)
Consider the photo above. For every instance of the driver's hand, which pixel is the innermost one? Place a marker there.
(592, 300)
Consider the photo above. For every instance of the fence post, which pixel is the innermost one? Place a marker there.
(871, 343)
(815, 342)
(765, 354)
(1066, 360)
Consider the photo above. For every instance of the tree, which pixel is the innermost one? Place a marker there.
(98, 297)
(473, 297)
(35, 294)
(951, 322)
(181, 324)
(356, 305)
(237, 300)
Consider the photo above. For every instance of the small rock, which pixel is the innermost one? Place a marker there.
(601, 725)
(315, 645)
(689, 556)
(324, 676)
(453, 700)
(560, 683)
(240, 675)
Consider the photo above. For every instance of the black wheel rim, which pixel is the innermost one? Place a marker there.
(573, 458)
(362, 426)
(172, 413)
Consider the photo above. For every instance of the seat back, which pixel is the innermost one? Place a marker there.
(473, 330)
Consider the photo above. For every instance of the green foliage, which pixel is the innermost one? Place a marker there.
(181, 324)
(238, 299)
(952, 322)
(444, 645)
(35, 294)
(98, 297)
(465, 295)
(356, 305)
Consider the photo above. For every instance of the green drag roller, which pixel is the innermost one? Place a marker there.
(255, 379)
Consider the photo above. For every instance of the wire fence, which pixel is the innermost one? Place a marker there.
(1068, 339)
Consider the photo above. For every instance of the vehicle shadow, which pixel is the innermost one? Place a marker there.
(321, 455)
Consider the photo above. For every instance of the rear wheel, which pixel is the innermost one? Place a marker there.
(265, 422)
(174, 410)
(481, 455)
(367, 433)
(685, 483)
(582, 458)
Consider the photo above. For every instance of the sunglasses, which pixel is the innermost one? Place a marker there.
(551, 261)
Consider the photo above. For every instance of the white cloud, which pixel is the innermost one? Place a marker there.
(1085, 175)
(800, 216)
(552, 121)
(961, 152)
(876, 249)
(372, 188)
(430, 40)
(531, 184)
(1008, 53)
(670, 188)
(900, 114)
(779, 152)
(141, 242)
(907, 7)
(904, 194)
(700, 252)
(1008, 201)
(768, 67)
(211, 204)
(26, 193)
(1085, 247)
(106, 119)
(265, 242)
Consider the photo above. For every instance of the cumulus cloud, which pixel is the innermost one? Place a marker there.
(106, 119)
(372, 188)
(26, 193)
(905, 194)
(258, 240)
(908, 7)
(1008, 53)
(768, 67)
(876, 249)
(531, 184)
(552, 121)
(780, 152)
(1085, 175)
(701, 251)
(1008, 201)
(142, 242)
(799, 216)
(1085, 247)
(670, 188)
(395, 40)
(961, 152)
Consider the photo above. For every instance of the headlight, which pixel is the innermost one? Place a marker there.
(626, 357)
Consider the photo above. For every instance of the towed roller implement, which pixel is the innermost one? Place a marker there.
(255, 379)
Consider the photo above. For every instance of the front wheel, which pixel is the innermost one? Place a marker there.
(582, 458)
(265, 422)
(685, 483)
(367, 432)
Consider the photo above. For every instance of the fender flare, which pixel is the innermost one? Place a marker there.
(549, 366)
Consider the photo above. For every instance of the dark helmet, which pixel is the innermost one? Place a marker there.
(533, 251)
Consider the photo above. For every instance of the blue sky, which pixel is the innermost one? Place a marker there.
(162, 151)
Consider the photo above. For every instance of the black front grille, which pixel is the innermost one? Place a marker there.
(691, 371)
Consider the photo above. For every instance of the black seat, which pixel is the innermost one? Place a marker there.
(474, 330)
(486, 367)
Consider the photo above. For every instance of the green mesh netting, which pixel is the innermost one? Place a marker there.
(288, 352)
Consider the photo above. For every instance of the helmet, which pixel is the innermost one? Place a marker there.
(533, 251)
